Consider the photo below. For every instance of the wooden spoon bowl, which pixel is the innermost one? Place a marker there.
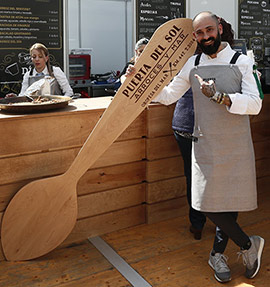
(59, 212)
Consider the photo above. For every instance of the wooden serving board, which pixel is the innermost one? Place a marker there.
(43, 213)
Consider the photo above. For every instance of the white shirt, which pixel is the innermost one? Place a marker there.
(58, 74)
(247, 102)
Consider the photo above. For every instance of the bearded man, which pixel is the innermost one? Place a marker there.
(223, 163)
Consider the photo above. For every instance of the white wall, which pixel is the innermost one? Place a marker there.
(227, 9)
(73, 24)
(104, 29)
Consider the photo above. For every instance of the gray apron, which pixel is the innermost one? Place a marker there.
(223, 163)
(55, 88)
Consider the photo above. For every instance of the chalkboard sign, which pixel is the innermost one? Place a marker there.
(23, 23)
(151, 14)
(239, 45)
(254, 23)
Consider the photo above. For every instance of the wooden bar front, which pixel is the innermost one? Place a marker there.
(139, 179)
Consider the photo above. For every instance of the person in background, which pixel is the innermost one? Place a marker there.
(182, 125)
(139, 47)
(42, 67)
(225, 93)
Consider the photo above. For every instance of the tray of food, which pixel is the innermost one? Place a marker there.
(33, 104)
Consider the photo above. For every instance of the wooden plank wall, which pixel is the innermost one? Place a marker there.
(166, 187)
(260, 127)
(111, 195)
(139, 179)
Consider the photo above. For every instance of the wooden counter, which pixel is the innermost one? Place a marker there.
(139, 179)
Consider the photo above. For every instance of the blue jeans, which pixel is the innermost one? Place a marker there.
(197, 219)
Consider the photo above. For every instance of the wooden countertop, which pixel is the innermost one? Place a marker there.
(76, 105)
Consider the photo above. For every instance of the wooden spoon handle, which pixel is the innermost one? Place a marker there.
(169, 48)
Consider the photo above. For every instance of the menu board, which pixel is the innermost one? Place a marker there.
(254, 23)
(23, 23)
(151, 14)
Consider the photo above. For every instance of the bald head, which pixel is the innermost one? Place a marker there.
(204, 16)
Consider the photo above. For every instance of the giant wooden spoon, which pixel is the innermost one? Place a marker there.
(43, 213)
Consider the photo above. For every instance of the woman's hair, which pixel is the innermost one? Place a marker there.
(141, 42)
(228, 33)
(43, 49)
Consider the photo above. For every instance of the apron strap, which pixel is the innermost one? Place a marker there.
(235, 57)
(197, 60)
(233, 60)
(31, 71)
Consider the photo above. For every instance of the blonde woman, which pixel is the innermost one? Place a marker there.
(41, 68)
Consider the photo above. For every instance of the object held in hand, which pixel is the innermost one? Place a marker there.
(208, 88)
(218, 98)
(130, 70)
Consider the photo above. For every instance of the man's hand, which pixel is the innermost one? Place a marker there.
(130, 70)
(208, 88)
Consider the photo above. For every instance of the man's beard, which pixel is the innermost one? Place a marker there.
(210, 49)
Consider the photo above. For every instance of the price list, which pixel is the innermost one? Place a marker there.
(23, 23)
(152, 14)
(254, 23)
